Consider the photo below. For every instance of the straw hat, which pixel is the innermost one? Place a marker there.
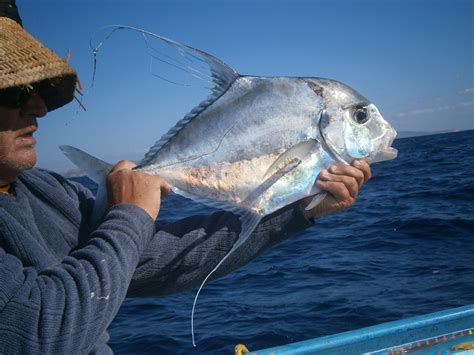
(24, 61)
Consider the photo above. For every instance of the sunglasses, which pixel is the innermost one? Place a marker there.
(15, 97)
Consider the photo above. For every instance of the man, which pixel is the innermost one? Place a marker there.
(62, 281)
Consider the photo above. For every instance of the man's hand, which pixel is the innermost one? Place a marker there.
(342, 182)
(125, 186)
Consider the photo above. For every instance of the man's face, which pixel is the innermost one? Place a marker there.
(17, 144)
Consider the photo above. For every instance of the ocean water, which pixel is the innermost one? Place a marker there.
(405, 248)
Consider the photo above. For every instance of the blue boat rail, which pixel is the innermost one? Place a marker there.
(441, 333)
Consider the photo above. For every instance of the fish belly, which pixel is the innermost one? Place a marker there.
(239, 183)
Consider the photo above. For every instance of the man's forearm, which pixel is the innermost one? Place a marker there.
(183, 253)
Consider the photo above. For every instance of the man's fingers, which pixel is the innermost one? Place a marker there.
(342, 182)
(337, 189)
(129, 165)
(165, 187)
(123, 165)
(347, 182)
(364, 167)
(349, 171)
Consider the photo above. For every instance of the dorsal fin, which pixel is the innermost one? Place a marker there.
(191, 62)
(223, 77)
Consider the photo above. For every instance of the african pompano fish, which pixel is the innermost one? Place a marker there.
(257, 144)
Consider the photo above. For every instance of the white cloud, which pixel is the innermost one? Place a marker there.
(436, 109)
(466, 91)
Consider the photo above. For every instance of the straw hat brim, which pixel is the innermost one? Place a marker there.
(25, 61)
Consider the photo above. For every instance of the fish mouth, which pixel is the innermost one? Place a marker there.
(384, 155)
(387, 152)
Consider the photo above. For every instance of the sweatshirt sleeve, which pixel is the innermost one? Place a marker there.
(66, 307)
(181, 254)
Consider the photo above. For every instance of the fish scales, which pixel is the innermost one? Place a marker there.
(249, 110)
(234, 141)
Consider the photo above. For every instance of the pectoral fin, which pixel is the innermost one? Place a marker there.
(296, 153)
(285, 164)
(284, 168)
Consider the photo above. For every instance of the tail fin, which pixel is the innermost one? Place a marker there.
(95, 169)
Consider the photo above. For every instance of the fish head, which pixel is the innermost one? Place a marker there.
(351, 126)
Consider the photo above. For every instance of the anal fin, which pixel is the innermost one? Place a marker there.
(248, 222)
(286, 166)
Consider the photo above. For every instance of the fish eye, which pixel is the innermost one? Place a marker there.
(360, 115)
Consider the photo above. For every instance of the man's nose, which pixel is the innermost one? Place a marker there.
(35, 106)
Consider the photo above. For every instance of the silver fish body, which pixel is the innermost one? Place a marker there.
(262, 143)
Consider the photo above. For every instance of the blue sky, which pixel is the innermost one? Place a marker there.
(412, 58)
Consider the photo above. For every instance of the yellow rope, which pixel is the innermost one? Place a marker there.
(241, 349)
